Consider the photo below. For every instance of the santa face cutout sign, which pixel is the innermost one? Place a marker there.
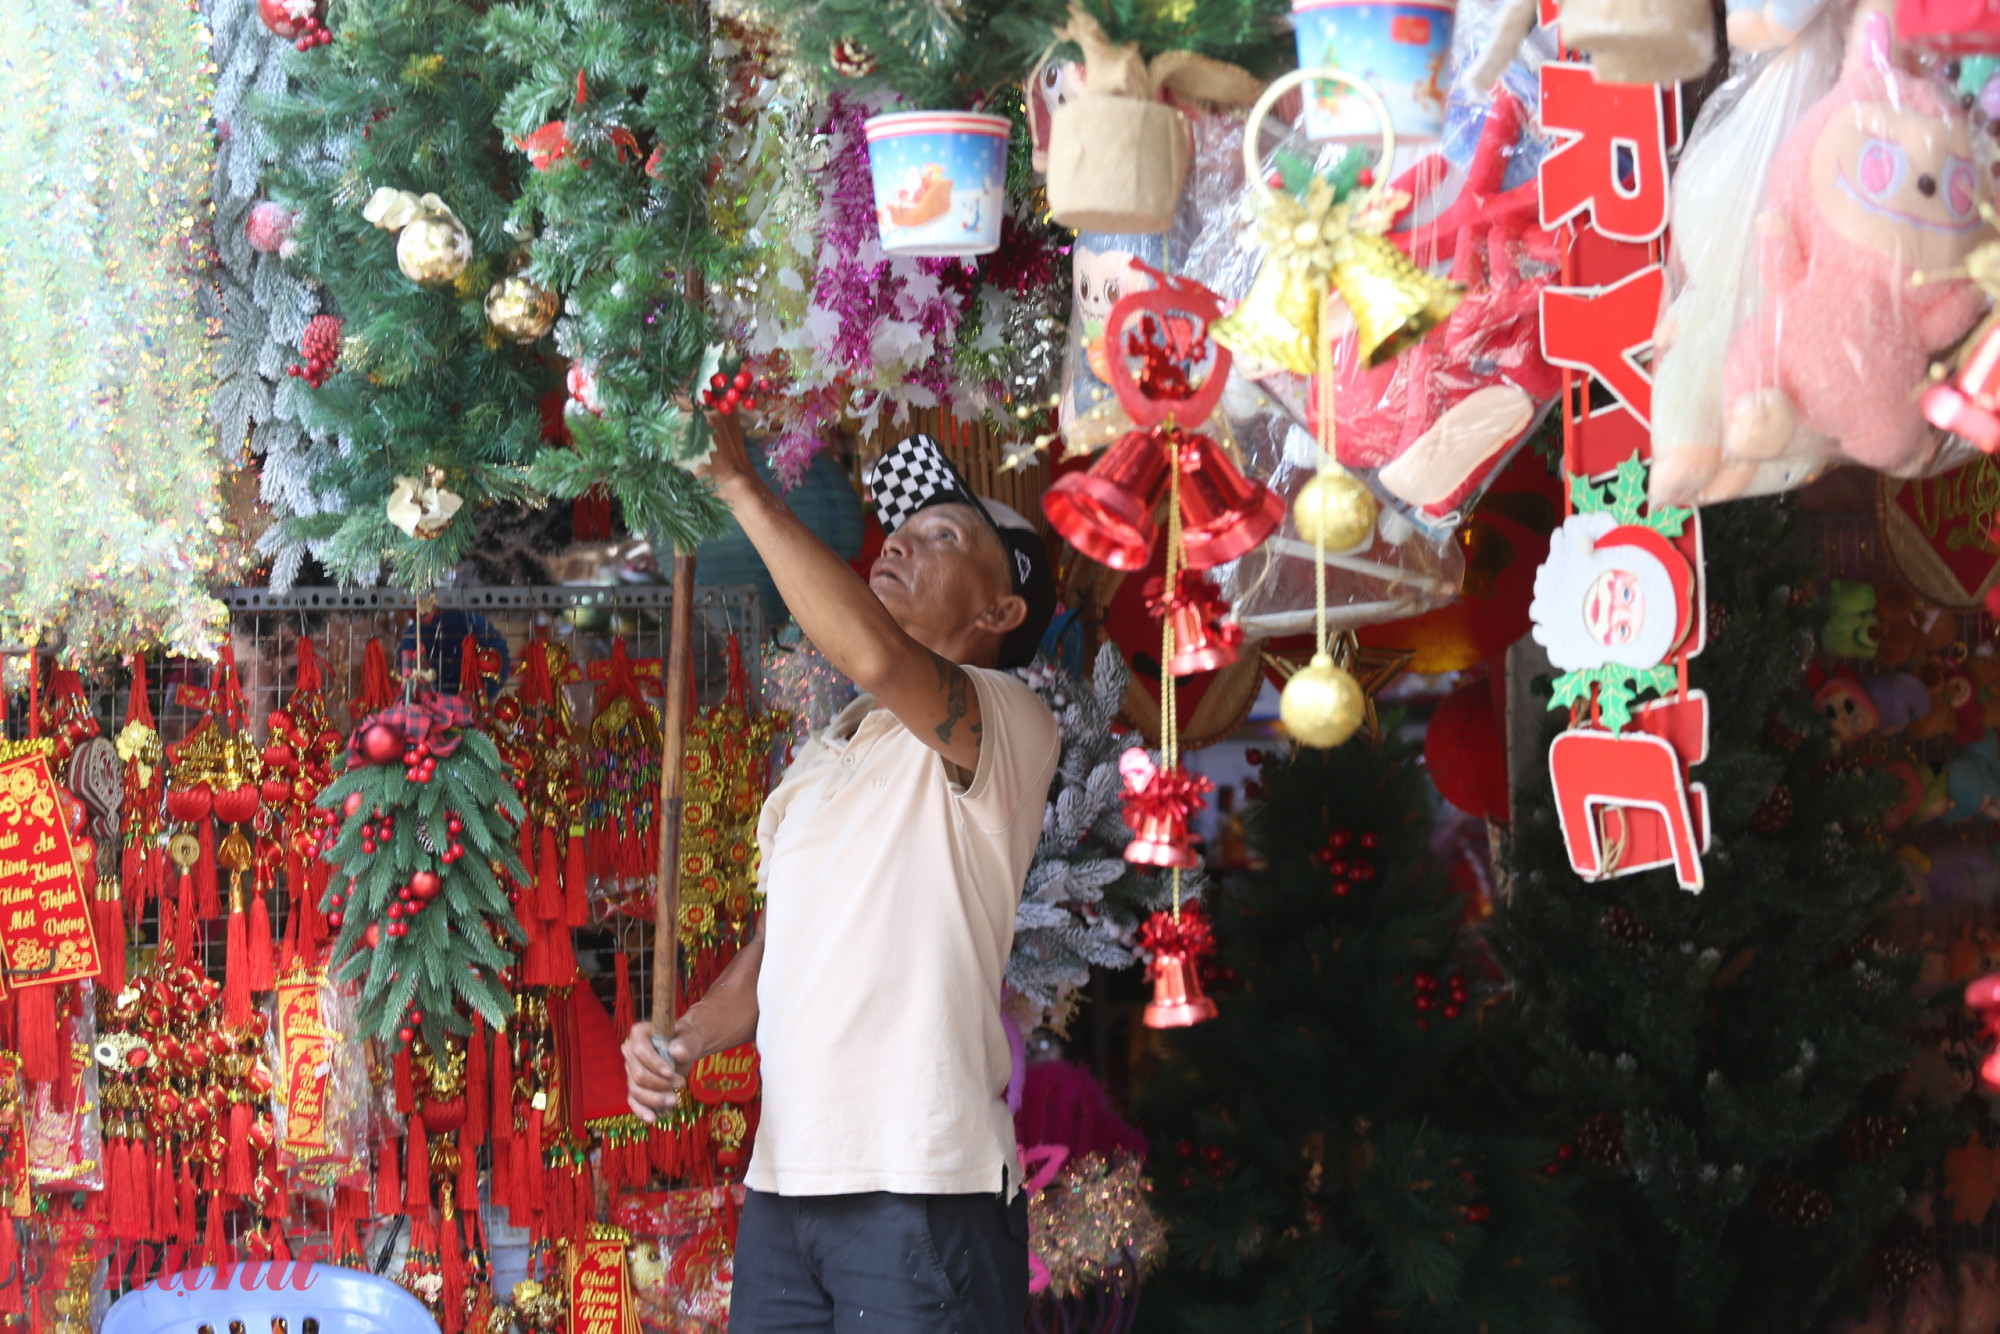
(1611, 595)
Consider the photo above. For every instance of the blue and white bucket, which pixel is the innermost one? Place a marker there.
(1401, 50)
(940, 180)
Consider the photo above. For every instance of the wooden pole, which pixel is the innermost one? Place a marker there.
(673, 749)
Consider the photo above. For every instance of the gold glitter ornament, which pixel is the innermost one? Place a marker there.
(1335, 508)
(434, 250)
(518, 308)
(1322, 705)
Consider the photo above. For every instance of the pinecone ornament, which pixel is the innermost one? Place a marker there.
(1602, 1140)
(1792, 1203)
(1774, 812)
(320, 345)
(1624, 926)
(1873, 1138)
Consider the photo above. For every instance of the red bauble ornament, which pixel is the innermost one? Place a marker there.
(269, 226)
(404, 1035)
(373, 936)
(286, 20)
(381, 744)
(426, 884)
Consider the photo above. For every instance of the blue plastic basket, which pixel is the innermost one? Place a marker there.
(335, 1301)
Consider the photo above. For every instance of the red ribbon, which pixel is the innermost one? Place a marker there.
(1189, 938)
(1155, 793)
(431, 717)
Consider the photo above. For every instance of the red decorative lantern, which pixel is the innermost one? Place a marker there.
(1107, 512)
(1223, 513)
(1162, 361)
(1968, 404)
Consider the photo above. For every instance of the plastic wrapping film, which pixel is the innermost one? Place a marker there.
(1870, 207)
(64, 1120)
(320, 1097)
(682, 1256)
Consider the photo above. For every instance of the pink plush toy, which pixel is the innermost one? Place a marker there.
(1875, 186)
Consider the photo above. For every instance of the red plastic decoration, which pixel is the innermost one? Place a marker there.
(1181, 370)
(1950, 27)
(1158, 803)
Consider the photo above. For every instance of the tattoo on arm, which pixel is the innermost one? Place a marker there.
(953, 681)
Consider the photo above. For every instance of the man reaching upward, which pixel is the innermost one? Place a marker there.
(883, 1190)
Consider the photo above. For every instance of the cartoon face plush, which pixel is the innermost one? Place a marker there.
(1899, 181)
(1052, 83)
(1909, 626)
(1849, 712)
(1100, 273)
(1853, 631)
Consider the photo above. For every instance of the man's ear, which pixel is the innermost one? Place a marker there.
(1003, 615)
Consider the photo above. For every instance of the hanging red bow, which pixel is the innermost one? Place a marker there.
(1154, 793)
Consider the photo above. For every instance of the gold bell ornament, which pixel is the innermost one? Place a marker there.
(432, 245)
(1331, 236)
(521, 310)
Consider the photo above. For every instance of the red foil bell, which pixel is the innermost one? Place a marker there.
(1203, 641)
(1968, 403)
(1107, 512)
(1158, 803)
(1223, 513)
(1177, 946)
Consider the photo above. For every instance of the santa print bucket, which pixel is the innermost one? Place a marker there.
(1401, 50)
(940, 181)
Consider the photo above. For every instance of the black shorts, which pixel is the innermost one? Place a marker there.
(891, 1264)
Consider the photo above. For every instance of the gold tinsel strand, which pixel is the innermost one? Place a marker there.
(1092, 1227)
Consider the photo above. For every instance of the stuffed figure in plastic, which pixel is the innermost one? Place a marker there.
(1875, 186)
(1767, 25)
(1100, 272)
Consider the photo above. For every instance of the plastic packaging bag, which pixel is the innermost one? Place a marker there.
(1100, 272)
(64, 1124)
(1875, 185)
(319, 1099)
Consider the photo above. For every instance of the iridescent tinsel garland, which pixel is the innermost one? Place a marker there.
(114, 523)
(1092, 1227)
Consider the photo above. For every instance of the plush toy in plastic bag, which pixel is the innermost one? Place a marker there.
(1711, 269)
(1875, 187)
(1101, 271)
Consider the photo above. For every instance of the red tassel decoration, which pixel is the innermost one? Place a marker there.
(576, 881)
(185, 1212)
(500, 1110)
(451, 1264)
(12, 1280)
(475, 1088)
(118, 1187)
(388, 1180)
(537, 1189)
(280, 1206)
(263, 975)
(417, 1173)
(406, 1098)
(204, 871)
(520, 1209)
(163, 1198)
(215, 1246)
(110, 915)
(35, 1033)
(548, 879)
(238, 1176)
(467, 1194)
(183, 935)
(236, 971)
(144, 1182)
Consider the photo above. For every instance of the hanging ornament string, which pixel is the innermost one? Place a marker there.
(1170, 723)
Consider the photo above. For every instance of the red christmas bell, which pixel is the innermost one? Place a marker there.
(1178, 942)
(1203, 641)
(1223, 513)
(1161, 840)
(1177, 1001)
(1968, 404)
(1107, 513)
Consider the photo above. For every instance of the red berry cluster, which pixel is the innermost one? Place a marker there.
(412, 1021)
(1475, 1213)
(419, 765)
(1212, 1157)
(321, 345)
(1347, 872)
(1554, 1167)
(726, 393)
(1426, 999)
(312, 33)
(411, 899)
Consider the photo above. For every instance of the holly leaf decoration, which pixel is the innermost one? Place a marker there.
(1628, 490)
(1584, 496)
(1617, 687)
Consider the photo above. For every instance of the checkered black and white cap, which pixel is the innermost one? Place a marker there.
(915, 475)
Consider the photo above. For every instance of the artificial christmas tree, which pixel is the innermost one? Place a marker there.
(403, 100)
(1711, 1055)
(1319, 1159)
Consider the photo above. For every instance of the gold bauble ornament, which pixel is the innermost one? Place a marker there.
(434, 249)
(520, 310)
(1335, 508)
(1322, 705)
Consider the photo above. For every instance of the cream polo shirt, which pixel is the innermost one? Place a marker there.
(890, 901)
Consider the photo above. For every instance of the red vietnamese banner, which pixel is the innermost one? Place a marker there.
(307, 1045)
(45, 918)
(600, 1292)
